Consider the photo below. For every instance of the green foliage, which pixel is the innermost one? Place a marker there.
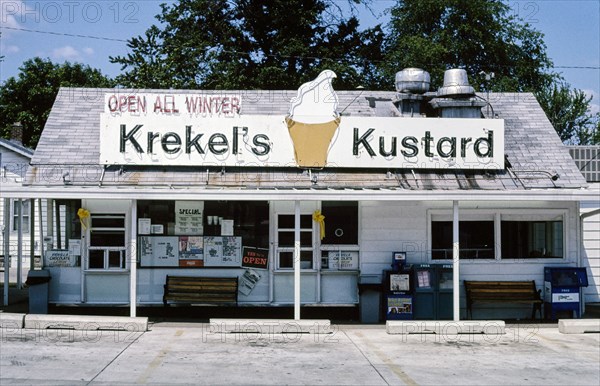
(250, 44)
(567, 110)
(480, 36)
(28, 98)
(595, 128)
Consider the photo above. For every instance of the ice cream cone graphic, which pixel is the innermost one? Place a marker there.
(311, 141)
(313, 121)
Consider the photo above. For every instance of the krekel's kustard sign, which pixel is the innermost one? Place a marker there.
(207, 130)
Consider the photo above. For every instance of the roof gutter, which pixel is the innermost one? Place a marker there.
(65, 192)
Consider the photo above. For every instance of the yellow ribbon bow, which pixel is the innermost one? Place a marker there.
(320, 219)
(84, 215)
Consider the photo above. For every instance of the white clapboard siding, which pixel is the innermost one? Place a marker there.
(591, 256)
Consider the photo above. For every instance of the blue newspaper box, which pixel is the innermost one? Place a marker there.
(398, 299)
(562, 289)
(433, 291)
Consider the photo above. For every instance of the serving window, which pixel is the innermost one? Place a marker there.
(500, 234)
(476, 239)
(532, 239)
(107, 248)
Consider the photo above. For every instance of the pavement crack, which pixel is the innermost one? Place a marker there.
(115, 358)
(367, 358)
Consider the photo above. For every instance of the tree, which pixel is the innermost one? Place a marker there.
(480, 36)
(28, 98)
(568, 111)
(246, 44)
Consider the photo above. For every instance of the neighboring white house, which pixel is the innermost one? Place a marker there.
(14, 161)
(587, 159)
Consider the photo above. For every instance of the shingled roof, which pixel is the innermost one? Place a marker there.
(533, 150)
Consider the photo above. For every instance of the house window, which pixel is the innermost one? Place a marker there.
(25, 213)
(107, 242)
(341, 222)
(285, 241)
(476, 239)
(532, 239)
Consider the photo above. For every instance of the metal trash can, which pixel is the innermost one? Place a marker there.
(369, 289)
(38, 291)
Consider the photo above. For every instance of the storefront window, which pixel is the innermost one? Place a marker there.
(532, 239)
(285, 241)
(341, 222)
(250, 219)
(476, 239)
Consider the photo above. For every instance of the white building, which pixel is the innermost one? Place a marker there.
(161, 187)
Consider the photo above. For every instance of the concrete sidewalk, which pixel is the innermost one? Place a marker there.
(186, 353)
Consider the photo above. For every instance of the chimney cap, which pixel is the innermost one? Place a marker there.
(16, 133)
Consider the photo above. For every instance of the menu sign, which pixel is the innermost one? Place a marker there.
(159, 251)
(188, 217)
(222, 251)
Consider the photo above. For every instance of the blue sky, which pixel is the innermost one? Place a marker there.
(571, 29)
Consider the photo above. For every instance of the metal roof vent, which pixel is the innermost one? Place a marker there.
(411, 84)
(456, 84)
(412, 81)
(456, 98)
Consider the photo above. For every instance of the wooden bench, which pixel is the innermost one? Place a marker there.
(201, 290)
(503, 292)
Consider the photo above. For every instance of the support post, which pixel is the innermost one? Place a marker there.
(41, 224)
(297, 260)
(6, 248)
(31, 234)
(133, 262)
(50, 223)
(455, 262)
(19, 243)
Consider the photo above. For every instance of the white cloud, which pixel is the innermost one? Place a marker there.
(66, 52)
(595, 103)
(10, 49)
(88, 51)
(10, 12)
(8, 21)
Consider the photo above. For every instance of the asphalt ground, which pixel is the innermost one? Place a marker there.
(173, 353)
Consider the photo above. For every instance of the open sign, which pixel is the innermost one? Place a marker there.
(255, 258)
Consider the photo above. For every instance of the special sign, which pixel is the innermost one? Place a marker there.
(172, 133)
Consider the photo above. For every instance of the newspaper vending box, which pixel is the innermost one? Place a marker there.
(397, 284)
(562, 289)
